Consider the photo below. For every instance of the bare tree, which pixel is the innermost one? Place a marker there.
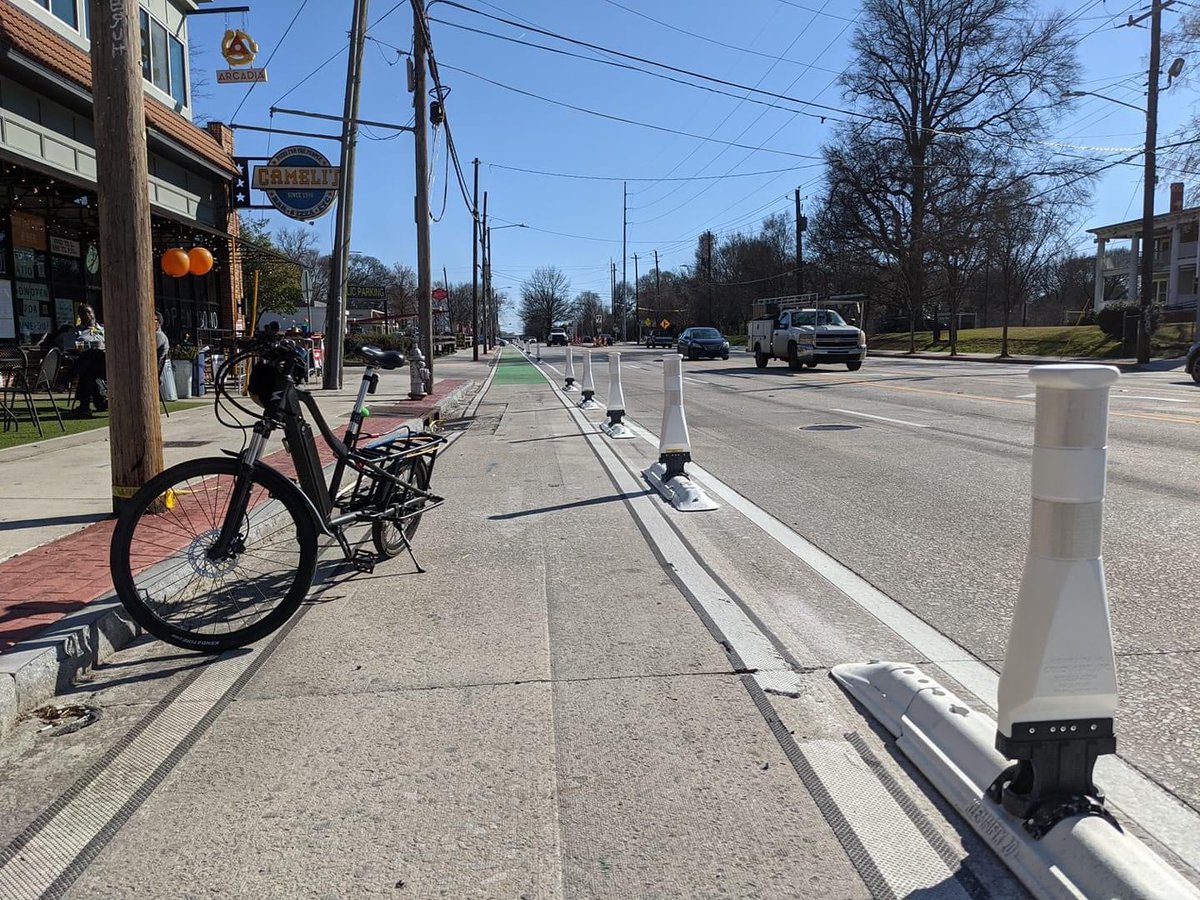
(930, 73)
(545, 300)
(1025, 234)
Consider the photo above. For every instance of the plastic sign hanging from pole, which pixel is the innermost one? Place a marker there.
(239, 50)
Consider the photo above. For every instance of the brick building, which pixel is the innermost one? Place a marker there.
(49, 256)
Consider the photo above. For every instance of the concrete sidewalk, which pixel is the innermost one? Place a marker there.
(57, 612)
(541, 714)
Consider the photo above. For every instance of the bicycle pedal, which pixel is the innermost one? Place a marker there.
(363, 561)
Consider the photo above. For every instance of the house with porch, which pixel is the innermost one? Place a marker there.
(1176, 272)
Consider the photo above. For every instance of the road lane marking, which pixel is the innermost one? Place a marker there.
(850, 412)
(1160, 814)
(887, 847)
(1119, 396)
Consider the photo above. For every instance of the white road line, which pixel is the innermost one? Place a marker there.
(1156, 399)
(902, 855)
(1163, 817)
(1169, 821)
(850, 412)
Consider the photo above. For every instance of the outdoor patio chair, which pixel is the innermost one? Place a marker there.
(15, 382)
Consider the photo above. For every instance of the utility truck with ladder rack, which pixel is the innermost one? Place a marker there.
(804, 331)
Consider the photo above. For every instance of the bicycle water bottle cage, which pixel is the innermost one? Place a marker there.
(385, 359)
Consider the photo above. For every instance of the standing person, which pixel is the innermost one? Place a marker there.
(162, 345)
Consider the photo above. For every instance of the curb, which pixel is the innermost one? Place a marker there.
(1125, 365)
(36, 670)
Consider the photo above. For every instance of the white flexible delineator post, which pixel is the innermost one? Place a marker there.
(614, 427)
(1058, 691)
(570, 375)
(589, 386)
(668, 476)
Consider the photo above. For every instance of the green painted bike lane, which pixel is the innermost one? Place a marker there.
(513, 368)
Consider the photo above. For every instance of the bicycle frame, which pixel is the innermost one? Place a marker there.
(301, 445)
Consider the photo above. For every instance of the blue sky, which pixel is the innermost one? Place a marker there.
(795, 47)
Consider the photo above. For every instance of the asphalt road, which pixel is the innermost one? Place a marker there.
(922, 487)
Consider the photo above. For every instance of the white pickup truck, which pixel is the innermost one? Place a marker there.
(806, 337)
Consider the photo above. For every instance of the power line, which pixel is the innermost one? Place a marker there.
(274, 50)
(613, 118)
(641, 59)
(335, 55)
(714, 41)
(622, 178)
(775, 61)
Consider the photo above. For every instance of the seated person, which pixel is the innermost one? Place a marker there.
(92, 387)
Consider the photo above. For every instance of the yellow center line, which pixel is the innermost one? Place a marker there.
(1157, 417)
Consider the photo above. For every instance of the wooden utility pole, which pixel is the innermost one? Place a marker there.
(1146, 290)
(637, 314)
(624, 251)
(657, 290)
(126, 258)
(475, 266)
(800, 223)
(339, 262)
(485, 237)
(421, 111)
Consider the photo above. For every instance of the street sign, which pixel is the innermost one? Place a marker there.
(241, 76)
(665, 323)
(440, 294)
(299, 181)
(366, 291)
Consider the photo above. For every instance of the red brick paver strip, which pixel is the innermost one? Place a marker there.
(39, 587)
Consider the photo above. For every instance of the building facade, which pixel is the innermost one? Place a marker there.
(1176, 264)
(49, 248)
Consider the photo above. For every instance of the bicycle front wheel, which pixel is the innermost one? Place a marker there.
(170, 582)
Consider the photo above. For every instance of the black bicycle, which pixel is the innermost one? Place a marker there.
(218, 552)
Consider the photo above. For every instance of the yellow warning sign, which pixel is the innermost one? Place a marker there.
(665, 323)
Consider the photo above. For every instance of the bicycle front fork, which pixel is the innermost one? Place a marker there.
(223, 547)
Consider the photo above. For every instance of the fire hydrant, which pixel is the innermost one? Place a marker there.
(417, 373)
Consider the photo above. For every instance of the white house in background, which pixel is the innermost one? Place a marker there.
(1176, 267)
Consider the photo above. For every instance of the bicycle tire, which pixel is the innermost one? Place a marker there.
(385, 533)
(160, 539)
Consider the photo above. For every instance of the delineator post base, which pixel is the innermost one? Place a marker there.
(679, 490)
(1082, 855)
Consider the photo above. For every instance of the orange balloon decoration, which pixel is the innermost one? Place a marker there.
(175, 263)
(201, 260)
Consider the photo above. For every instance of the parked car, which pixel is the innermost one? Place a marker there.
(1193, 362)
(659, 337)
(557, 338)
(707, 342)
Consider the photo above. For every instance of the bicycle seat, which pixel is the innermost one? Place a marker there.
(385, 359)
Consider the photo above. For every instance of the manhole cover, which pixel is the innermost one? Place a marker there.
(830, 427)
(180, 444)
